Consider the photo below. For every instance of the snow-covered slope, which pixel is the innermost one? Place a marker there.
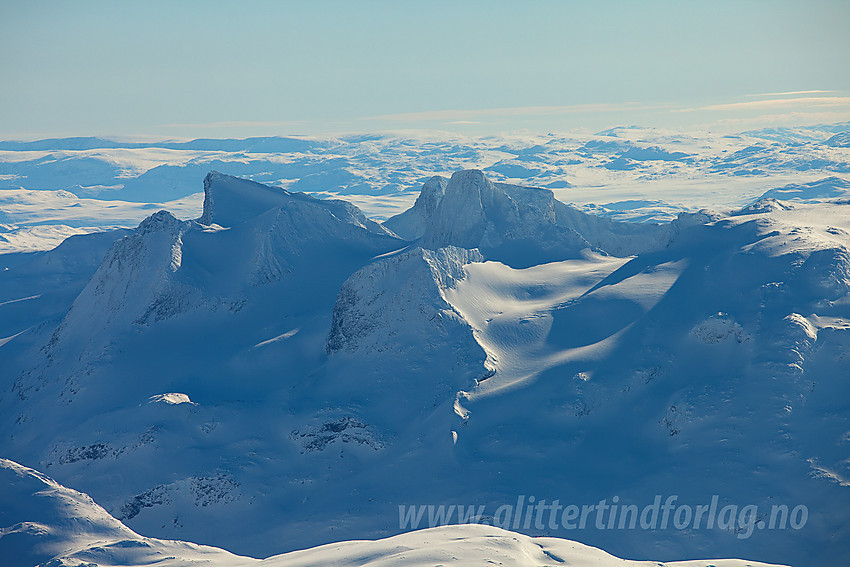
(40, 519)
(827, 188)
(292, 376)
(37, 289)
(382, 313)
(473, 545)
(396, 292)
(45, 523)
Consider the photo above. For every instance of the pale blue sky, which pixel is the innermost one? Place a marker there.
(209, 68)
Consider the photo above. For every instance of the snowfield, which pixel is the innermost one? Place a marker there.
(50, 524)
(265, 370)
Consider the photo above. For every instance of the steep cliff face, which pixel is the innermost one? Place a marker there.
(411, 224)
(401, 297)
(520, 226)
(382, 316)
(230, 201)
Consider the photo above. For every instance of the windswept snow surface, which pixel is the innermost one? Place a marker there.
(32, 221)
(45, 523)
(285, 372)
(513, 312)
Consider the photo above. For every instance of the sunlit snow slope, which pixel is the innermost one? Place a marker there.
(45, 523)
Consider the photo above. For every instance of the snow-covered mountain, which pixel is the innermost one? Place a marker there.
(50, 189)
(411, 224)
(284, 372)
(521, 226)
(45, 523)
(243, 241)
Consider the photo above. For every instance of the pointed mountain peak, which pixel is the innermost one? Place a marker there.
(476, 213)
(461, 216)
(160, 221)
(411, 224)
(434, 188)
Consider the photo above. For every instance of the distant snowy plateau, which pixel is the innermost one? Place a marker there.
(336, 328)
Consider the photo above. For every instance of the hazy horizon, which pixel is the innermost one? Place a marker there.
(215, 69)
